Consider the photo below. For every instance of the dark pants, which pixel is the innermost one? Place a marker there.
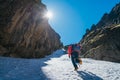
(74, 56)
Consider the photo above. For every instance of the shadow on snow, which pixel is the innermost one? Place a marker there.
(24, 69)
(88, 76)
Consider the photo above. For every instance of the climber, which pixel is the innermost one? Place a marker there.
(74, 53)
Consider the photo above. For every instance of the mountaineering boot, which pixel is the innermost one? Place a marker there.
(76, 68)
(80, 61)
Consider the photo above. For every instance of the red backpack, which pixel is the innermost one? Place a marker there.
(69, 50)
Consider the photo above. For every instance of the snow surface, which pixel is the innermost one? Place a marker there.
(57, 67)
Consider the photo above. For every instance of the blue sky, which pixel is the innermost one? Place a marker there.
(71, 18)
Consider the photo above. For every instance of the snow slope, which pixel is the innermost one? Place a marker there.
(57, 67)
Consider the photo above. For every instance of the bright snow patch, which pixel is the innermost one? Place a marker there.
(57, 67)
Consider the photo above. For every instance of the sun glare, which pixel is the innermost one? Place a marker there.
(49, 15)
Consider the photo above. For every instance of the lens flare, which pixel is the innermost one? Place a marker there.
(49, 15)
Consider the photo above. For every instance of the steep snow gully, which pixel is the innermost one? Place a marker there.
(57, 67)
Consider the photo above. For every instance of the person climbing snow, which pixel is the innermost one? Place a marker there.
(74, 53)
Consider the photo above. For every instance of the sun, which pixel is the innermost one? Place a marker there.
(49, 14)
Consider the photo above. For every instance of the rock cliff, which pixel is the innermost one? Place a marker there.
(102, 41)
(25, 31)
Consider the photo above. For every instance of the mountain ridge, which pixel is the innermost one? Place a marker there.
(25, 31)
(102, 41)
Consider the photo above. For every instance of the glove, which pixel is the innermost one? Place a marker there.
(69, 56)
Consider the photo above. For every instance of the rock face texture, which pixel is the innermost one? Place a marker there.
(25, 31)
(102, 41)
